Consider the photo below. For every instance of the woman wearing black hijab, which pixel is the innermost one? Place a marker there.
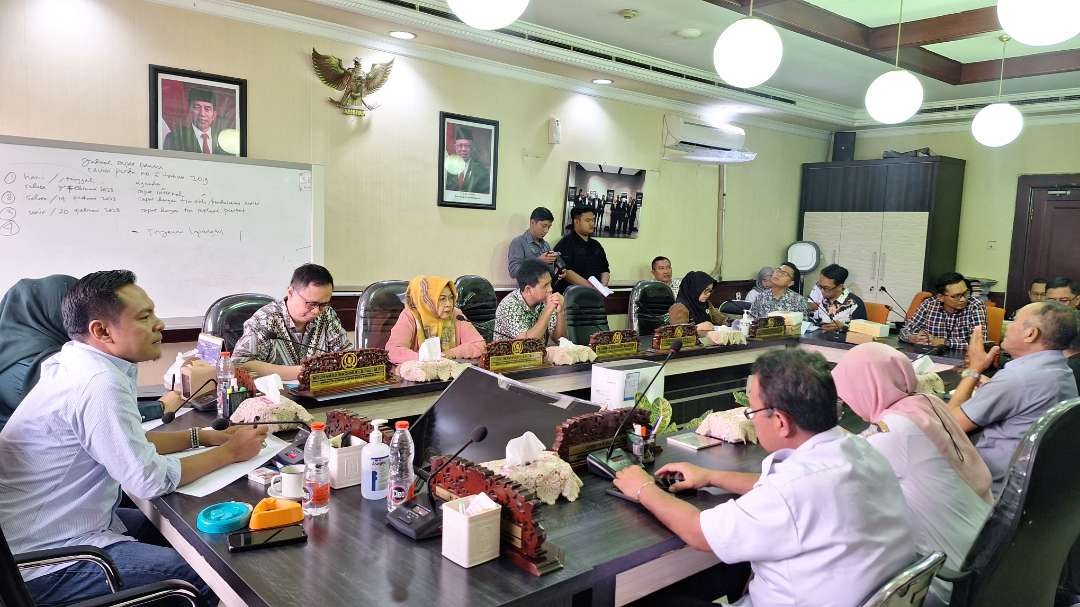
(31, 330)
(694, 292)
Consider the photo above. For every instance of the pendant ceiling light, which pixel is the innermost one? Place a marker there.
(998, 123)
(488, 14)
(1039, 22)
(896, 95)
(748, 52)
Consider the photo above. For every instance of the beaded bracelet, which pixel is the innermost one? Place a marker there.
(195, 438)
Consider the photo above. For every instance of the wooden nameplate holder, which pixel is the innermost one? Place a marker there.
(513, 355)
(577, 436)
(666, 335)
(341, 421)
(768, 327)
(339, 372)
(614, 344)
(524, 540)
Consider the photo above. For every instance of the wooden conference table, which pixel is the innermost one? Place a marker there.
(614, 551)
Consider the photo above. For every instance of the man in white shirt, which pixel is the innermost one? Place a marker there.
(823, 524)
(77, 438)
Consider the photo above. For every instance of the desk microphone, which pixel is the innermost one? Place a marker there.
(902, 316)
(416, 521)
(168, 416)
(607, 464)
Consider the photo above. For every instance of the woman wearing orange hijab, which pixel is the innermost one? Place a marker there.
(430, 312)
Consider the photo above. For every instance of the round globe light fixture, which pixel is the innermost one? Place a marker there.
(894, 96)
(488, 14)
(997, 124)
(1039, 22)
(748, 52)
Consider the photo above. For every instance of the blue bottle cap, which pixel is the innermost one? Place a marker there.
(224, 517)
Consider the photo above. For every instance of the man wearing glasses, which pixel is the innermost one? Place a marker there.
(781, 298)
(948, 318)
(281, 333)
(1064, 291)
(834, 305)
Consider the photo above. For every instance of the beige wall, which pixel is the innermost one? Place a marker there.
(990, 178)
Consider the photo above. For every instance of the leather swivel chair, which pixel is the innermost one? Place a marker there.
(649, 302)
(585, 313)
(226, 317)
(909, 587)
(476, 300)
(378, 309)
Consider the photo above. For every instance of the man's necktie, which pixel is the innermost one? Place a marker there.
(205, 144)
(461, 180)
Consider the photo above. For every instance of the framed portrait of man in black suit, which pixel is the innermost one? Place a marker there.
(468, 161)
(197, 112)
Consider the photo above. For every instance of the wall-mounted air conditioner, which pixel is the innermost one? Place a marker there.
(689, 141)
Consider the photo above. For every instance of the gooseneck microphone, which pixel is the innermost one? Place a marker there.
(168, 416)
(416, 521)
(890, 308)
(223, 423)
(607, 464)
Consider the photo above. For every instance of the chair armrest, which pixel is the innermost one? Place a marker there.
(166, 592)
(69, 554)
(951, 575)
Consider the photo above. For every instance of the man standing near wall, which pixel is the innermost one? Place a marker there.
(583, 255)
(531, 244)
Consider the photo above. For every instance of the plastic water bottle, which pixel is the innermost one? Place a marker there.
(401, 467)
(317, 471)
(375, 464)
(226, 376)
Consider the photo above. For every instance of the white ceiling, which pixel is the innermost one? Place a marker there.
(810, 67)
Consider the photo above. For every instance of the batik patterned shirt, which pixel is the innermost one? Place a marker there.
(270, 332)
(789, 301)
(514, 317)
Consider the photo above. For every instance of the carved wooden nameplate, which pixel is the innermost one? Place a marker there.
(614, 344)
(513, 355)
(770, 326)
(342, 421)
(524, 540)
(343, 371)
(577, 436)
(669, 334)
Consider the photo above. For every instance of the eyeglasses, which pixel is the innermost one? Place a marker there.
(1067, 300)
(824, 288)
(783, 272)
(958, 296)
(313, 305)
(749, 413)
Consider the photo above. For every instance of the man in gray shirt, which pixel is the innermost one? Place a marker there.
(1037, 378)
(531, 244)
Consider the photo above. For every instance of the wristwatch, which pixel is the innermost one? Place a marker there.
(970, 373)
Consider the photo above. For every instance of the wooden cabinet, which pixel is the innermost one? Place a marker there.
(892, 223)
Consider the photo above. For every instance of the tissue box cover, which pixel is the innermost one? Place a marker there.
(548, 476)
(731, 426)
(470, 540)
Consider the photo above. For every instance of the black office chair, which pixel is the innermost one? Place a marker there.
(585, 313)
(909, 587)
(15, 594)
(1019, 553)
(476, 300)
(380, 305)
(649, 302)
(226, 317)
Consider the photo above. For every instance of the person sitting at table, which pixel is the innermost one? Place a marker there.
(945, 482)
(1037, 378)
(429, 312)
(31, 330)
(762, 284)
(1063, 290)
(823, 523)
(780, 297)
(692, 303)
(1037, 290)
(282, 333)
(532, 310)
(661, 272)
(834, 305)
(948, 318)
(77, 439)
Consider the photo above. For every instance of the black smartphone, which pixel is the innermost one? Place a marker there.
(240, 541)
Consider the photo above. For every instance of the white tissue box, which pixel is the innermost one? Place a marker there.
(470, 540)
(866, 327)
(345, 465)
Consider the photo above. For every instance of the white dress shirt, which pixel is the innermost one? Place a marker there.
(824, 526)
(72, 443)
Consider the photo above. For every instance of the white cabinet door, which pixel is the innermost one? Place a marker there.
(824, 229)
(860, 250)
(903, 253)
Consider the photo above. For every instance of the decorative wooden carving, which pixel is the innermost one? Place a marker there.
(577, 436)
(343, 371)
(663, 336)
(341, 421)
(770, 326)
(614, 344)
(513, 355)
(524, 539)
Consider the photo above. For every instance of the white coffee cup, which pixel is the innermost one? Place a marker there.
(290, 482)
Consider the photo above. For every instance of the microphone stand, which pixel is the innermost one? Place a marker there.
(606, 464)
(168, 416)
(890, 308)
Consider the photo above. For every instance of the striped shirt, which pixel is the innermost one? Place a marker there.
(67, 450)
(268, 331)
(955, 327)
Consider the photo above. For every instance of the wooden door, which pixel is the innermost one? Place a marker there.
(823, 228)
(1045, 233)
(860, 251)
(903, 253)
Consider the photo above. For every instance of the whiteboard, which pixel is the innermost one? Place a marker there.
(193, 228)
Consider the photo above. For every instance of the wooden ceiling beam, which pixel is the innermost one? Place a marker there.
(1042, 64)
(805, 18)
(946, 28)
